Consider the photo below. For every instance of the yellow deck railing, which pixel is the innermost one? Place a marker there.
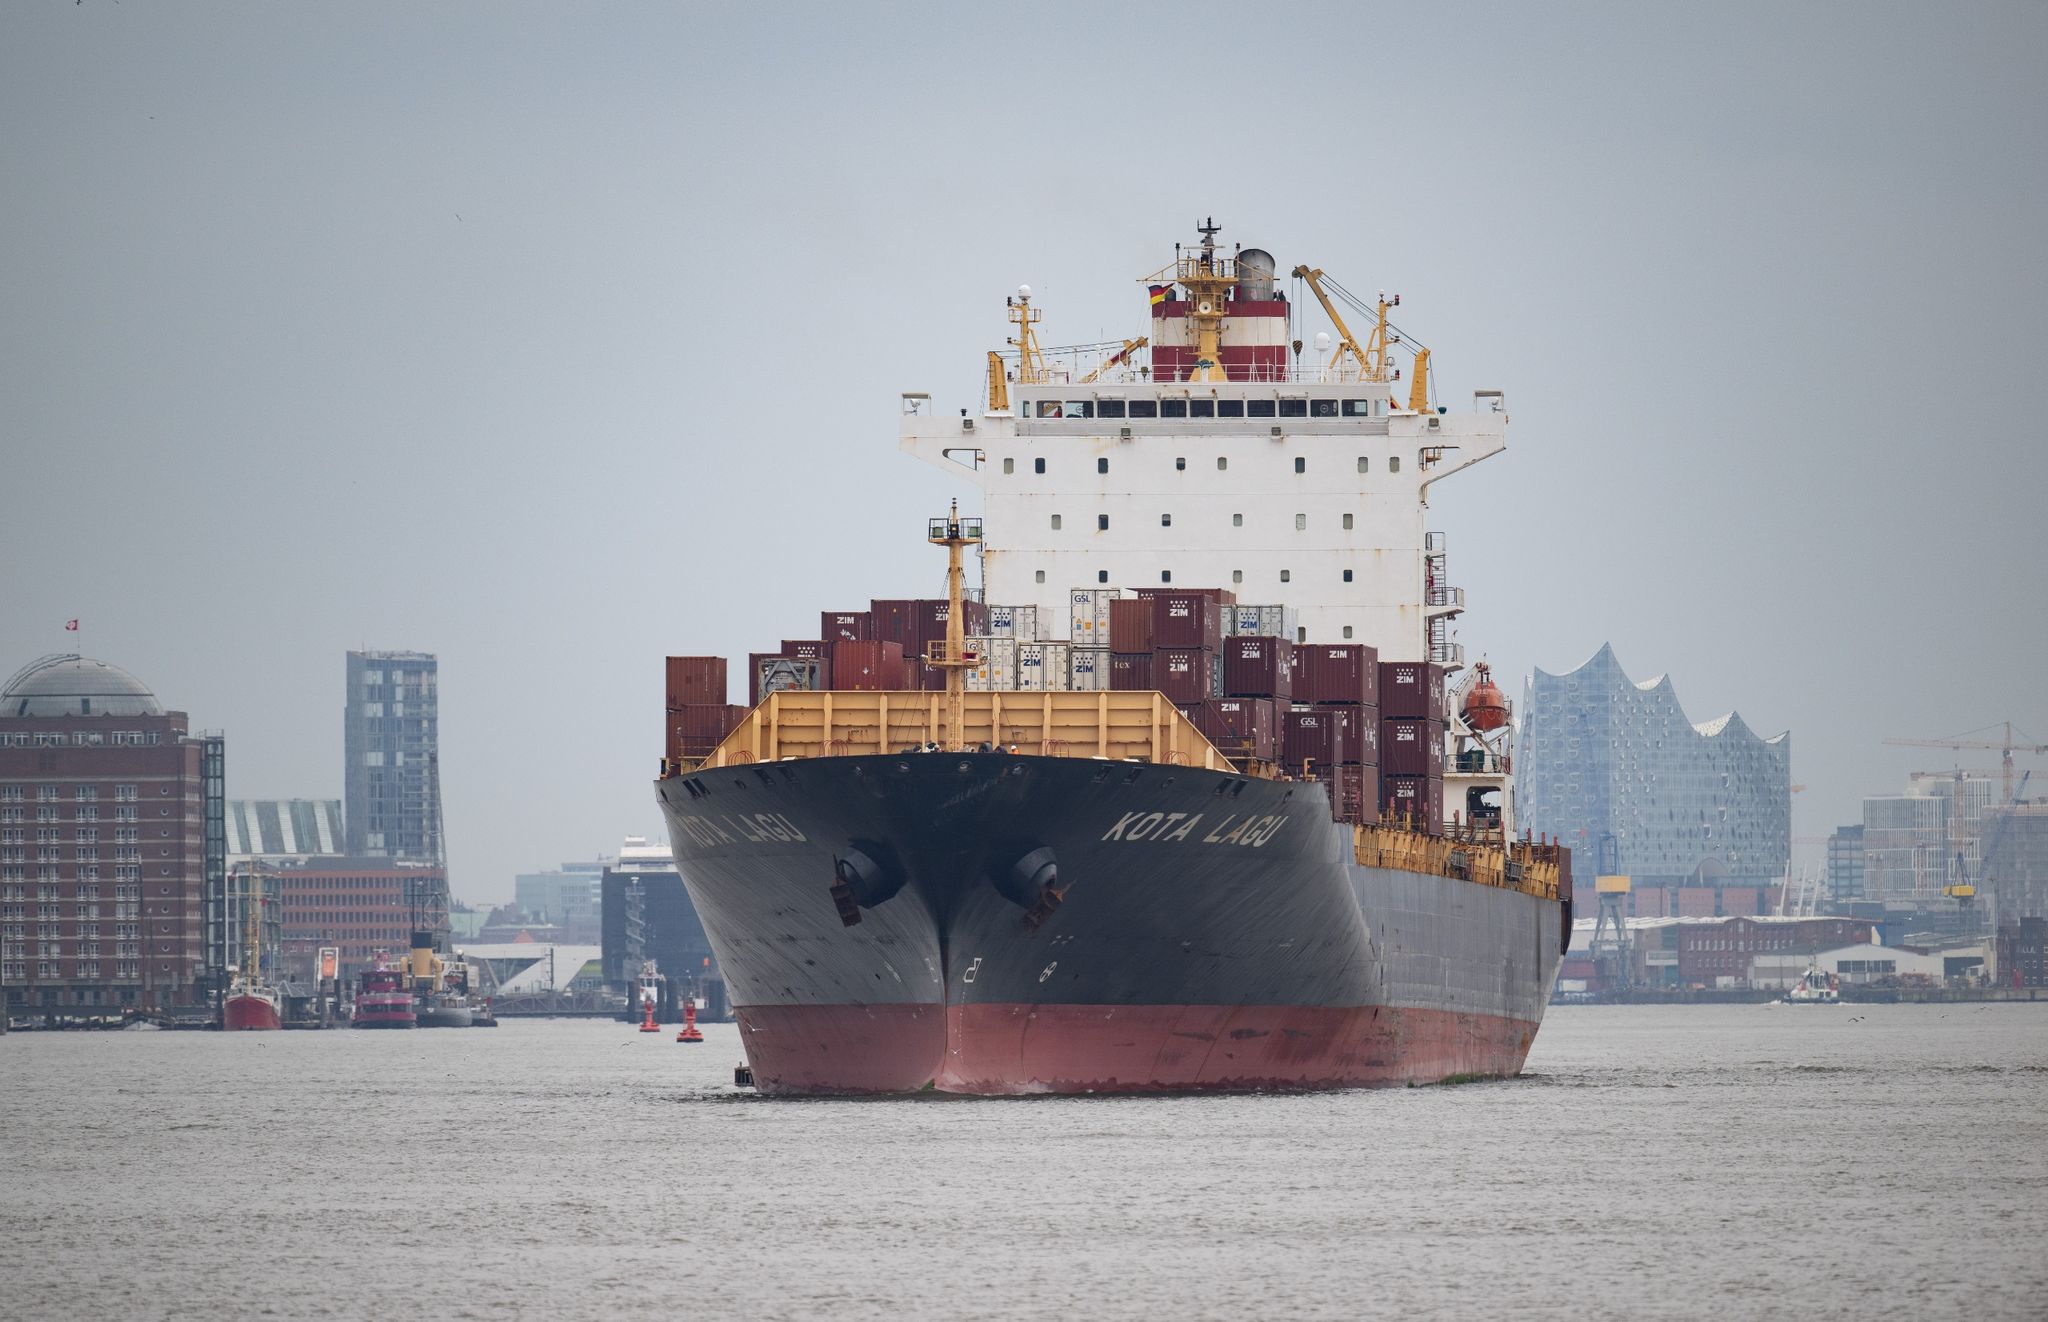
(1480, 858)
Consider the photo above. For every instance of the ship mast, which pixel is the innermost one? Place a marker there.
(1208, 284)
(252, 926)
(955, 534)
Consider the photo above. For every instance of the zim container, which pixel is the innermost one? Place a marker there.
(845, 626)
(1130, 625)
(1412, 690)
(1417, 799)
(1411, 748)
(895, 620)
(1240, 728)
(1187, 674)
(1258, 667)
(868, 665)
(1186, 620)
(1345, 673)
(1019, 622)
(1087, 669)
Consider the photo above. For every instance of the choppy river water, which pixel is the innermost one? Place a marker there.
(1695, 1162)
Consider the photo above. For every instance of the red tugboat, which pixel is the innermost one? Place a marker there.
(382, 998)
(251, 1003)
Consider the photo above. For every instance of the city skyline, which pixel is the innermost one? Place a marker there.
(469, 338)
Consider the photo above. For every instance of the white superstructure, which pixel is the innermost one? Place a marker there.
(1219, 465)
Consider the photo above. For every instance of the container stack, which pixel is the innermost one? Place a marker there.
(1332, 730)
(697, 714)
(1413, 718)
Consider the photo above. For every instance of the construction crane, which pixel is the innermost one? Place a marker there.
(1118, 358)
(1967, 891)
(2005, 747)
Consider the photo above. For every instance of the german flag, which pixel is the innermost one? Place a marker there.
(1160, 293)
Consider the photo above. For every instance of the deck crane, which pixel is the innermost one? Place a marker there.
(1372, 359)
(1117, 359)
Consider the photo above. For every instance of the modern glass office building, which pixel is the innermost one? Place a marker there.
(1615, 770)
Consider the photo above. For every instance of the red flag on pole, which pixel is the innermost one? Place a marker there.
(71, 626)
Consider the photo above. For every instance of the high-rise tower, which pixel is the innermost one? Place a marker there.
(391, 741)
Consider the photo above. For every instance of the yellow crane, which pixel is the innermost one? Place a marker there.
(1118, 358)
(1372, 359)
(2005, 748)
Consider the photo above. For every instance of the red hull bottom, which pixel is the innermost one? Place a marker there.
(243, 1013)
(1011, 1049)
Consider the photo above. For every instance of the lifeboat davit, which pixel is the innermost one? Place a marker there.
(1485, 707)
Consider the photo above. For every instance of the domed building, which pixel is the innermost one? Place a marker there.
(110, 844)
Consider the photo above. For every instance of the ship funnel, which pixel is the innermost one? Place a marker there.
(1255, 274)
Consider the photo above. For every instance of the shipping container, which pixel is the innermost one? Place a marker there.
(868, 665)
(931, 623)
(846, 626)
(769, 673)
(1088, 616)
(1130, 671)
(998, 668)
(1187, 674)
(1186, 620)
(1221, 596)
(1266, 621)
(1018, 622)
(895, 621)
(1130, 626)
(1354, 793)
(1343, 673)
(696, 728)
(1044, 666)
(1411, 748)
(1413, 800)
(811, 649)
(1240, 728)
(691, 679)
(1256, 666)
(1312, 738)
(1412, 691)
(1088, 669)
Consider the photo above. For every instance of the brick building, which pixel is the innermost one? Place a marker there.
(357, 905)
(113, 853)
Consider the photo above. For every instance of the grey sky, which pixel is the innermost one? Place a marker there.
(555, 339)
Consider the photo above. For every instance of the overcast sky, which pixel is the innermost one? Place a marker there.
(555, 339)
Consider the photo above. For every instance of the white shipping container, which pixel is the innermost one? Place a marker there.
(998, 668)
(1264, 621)
(1088, 616)
(1042, 666)
(1019, 622)
(1088, 669)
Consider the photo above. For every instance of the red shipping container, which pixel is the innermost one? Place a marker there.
(895, 621)
(697, 728)
(1130, 625)
(1354, 793)
(1130, 672)
(1336, 672)
(931, 623)
(1413, 800)
(1239, 727)
(1256, 667)
(1312, 737)
(1187, 674)
(695, 679)
(846, 626)
(1221, 596)
(868, 666)
(809, 649)
(1186, 620)
(1412, 691)
(1411, 748)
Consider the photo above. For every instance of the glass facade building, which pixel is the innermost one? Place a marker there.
(391, 740)
(1615, 770)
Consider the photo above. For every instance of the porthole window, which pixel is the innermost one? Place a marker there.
(1286, 576)
(1102, 576)
(1347, 575)
(1038, 465)
(1055, 523)
(1166, 576)
(1222, 462)
(1166, 520)
(1347, 523)
(1347, 631)
(1102, 465)
(1041, 575)
(1362, 465)
(1301, 523)
(1237, 576)
(1394, 463)
(1237, 520)
(1009, 467)
(1102, 523)
(1300, 465)
(1180, 464)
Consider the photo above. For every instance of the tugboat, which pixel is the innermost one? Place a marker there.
(1813, 988)
(251, 1003)
(382, 998)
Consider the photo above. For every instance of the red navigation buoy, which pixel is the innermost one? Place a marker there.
(690, 1033)
(648, 1025)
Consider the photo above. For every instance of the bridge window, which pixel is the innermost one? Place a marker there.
(1357, 408)
(1109, 408)
(1144, 408)
(1080, 408)
(1229, 408)
(1318, 408)
(1049, 408)
(1201, 408)
(1258, 408)
(1173, 408)
(1293, 408)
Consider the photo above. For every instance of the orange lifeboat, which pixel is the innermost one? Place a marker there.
(1485, 707)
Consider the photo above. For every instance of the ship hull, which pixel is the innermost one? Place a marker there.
(246, 1013)
(1213, 932)
(384, 1016)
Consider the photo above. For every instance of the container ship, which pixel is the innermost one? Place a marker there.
(1194, 791)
